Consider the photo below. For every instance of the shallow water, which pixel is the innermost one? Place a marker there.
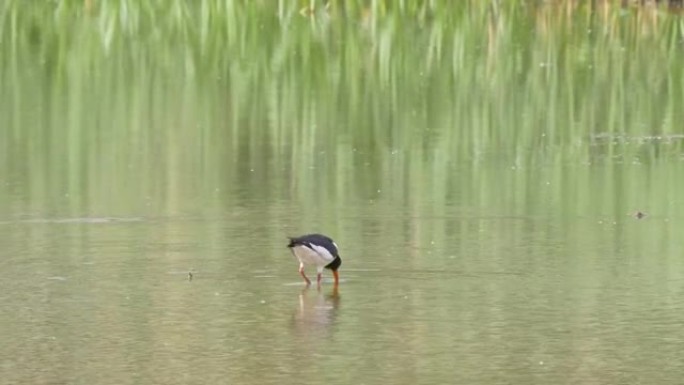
(479, 166)
(459, 298)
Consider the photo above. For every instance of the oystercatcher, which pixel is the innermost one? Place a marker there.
(319, 250)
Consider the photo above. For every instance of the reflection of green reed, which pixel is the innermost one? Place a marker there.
(166, 99)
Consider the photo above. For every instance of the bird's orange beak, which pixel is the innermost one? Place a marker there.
(337, 277)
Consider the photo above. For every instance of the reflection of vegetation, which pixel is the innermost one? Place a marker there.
(219, 90)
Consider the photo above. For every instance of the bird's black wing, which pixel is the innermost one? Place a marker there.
(314, 239)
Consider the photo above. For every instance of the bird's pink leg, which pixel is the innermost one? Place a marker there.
(318, 279)
(301, 271)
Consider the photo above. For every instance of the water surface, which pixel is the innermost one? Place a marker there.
(482, 192)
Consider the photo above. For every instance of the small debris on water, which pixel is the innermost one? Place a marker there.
(639, 215)
(263, 301)
(190, 276)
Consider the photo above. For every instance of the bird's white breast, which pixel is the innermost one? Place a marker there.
(316, 255)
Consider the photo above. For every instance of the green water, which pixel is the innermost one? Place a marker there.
(478, 164)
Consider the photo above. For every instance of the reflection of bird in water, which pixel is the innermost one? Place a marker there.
(316, 312)
(319, 250)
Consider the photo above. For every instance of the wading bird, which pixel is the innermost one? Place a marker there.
(319, 250)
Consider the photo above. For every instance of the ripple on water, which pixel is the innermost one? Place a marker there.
(323, 281)
(86, 220)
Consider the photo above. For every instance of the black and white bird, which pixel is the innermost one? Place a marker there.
(319, 250)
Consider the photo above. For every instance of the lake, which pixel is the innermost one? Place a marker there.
(481, 167)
